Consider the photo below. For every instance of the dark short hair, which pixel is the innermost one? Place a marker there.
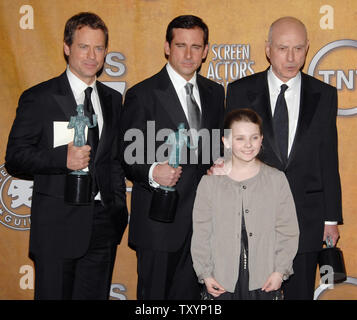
(80, 20)
(186, 22)
(244, 114)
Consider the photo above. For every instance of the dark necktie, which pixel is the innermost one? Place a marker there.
(281, 124)
(93, 136)
(194, 113)
(93, 133)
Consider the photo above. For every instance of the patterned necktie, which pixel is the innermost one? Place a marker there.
(281, 124)
(194, 113)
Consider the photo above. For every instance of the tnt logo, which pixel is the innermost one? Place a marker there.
(334, 65)
(15, 201)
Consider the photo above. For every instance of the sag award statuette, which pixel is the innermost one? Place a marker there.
(78, 188)
(164, 200)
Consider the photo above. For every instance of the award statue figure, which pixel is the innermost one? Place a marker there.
(164, 200)
(78, 183)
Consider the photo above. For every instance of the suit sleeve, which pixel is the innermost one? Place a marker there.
(133, 134)
(218, 148)
(118, 175)
(230, 99)
(27, 151)
(201, 249)
(221, 106)
(329, 164)
(286, 228)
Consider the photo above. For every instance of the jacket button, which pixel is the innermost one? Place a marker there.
(244, 187)
(250, 234)
(246, 211)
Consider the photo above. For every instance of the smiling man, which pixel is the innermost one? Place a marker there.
(300, 138)
(73, 247)
(177, 94)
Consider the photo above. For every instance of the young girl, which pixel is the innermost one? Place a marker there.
(245, 230)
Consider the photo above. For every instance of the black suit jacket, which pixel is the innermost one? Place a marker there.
(312, 168)
(57, 228)
(155, 99)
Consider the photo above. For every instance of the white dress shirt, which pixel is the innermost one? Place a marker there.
(179, 84)
(78, 86)
(292, 98)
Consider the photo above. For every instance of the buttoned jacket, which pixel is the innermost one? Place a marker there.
(57, 227)
(155, 101)
(312, 167)
(271, 224)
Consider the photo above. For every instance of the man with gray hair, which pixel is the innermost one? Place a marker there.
(300, 138)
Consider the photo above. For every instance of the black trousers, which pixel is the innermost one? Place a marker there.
(85, 278)
(167, 275)
(301, 285)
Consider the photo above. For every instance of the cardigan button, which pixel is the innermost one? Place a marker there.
(246, 211)
(250, 234)
(244, 187)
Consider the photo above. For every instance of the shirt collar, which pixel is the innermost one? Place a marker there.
(275, 83)
(177, 80)
(77, 85)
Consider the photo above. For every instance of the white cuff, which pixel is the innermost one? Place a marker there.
(153, 183)
(331, 223)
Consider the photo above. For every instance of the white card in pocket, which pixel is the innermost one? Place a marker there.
(61, 134)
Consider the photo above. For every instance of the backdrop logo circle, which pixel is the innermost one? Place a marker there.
(324, 51)
(15, 201)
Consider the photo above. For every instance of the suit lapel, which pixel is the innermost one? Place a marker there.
(105, 104)
(260, 102)
(206, 99)
(67, 103)
(308, 104)
(65, 97)
(169, 100)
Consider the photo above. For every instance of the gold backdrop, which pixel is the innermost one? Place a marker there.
(31, 52)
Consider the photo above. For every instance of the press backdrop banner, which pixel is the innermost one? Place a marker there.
(31, 47)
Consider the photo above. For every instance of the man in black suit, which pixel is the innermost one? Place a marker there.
(301, 141)
(163, 249)
(73, 247)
